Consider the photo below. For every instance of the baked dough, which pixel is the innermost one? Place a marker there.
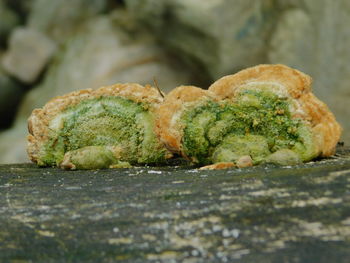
(46, 125)
(305, 112)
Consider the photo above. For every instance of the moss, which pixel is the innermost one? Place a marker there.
(284, 157)
(305, 146)
(196, 130)
(258, 123)
(235, 146)
(105, 121)
(93, 157)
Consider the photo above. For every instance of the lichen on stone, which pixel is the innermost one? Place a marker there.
(257, 123)
(101, 133)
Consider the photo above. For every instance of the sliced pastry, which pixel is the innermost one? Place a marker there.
(112, 126)
(263, 114)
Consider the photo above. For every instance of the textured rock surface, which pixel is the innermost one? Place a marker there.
(9, 20)
(21, 7)
(63, 18)
(29, 52)
(261, 214)
(11, 93)
(218, 37)
(13, 144)
(292, 41)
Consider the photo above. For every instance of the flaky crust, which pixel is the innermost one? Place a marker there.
(38, 122)
(288, 82)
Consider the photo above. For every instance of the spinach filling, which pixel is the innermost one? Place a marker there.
(258, 123)
(105, 122)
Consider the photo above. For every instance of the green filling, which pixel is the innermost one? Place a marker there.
(105, 122)
(258, 123)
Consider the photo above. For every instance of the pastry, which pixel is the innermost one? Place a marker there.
(112, 126)
(263, 114)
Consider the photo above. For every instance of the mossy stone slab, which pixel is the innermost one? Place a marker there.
(177, 214)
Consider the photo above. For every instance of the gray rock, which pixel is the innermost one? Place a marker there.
(61, 19)
(216, 37)
(21, 7)
(293, 40)
(29, 52)
(11, 93)
(164, 214)
(13, 144)
(315, 37)
(9, 20)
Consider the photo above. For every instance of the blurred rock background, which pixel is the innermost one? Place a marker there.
(48, 48)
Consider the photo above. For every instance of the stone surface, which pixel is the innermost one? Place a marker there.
(286, 45)
(13, 144)
(21, 7)
(9, 20)
(216, 37)
(28, 54)
(11, 93)
(180, 214)
(61, 19)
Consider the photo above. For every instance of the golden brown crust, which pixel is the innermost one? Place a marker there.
(38, 122)
(284, 80)
(167, 126)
